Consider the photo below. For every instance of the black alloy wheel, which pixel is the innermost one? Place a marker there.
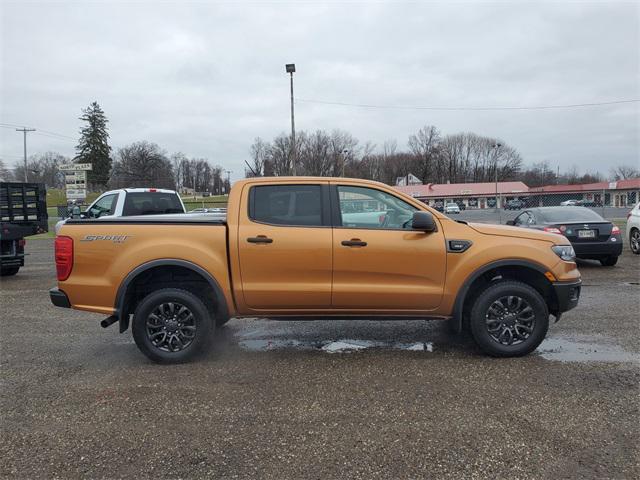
(509, 319)
(171, 325)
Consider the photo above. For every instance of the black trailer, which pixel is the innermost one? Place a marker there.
(23, 212)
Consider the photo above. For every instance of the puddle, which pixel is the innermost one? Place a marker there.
(338, 346)
(563, 349)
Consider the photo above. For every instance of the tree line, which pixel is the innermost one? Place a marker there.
(427, 154)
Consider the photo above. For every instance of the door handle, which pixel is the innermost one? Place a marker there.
(260, 239)
(354, 242)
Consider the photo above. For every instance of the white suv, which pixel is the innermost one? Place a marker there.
(633, 229)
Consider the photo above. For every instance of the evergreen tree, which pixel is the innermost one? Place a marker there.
(93, 146)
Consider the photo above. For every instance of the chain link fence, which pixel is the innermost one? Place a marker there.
(611, 205)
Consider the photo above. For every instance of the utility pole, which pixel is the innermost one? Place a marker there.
(291, 68)
(24, 130)
(496, 148)
(345, 153)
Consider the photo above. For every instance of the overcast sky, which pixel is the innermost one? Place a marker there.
(206, 78)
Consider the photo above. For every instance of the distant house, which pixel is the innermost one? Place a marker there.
(409, 179)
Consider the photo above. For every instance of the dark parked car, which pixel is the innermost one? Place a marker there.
(590, 235)
(461, 205)
(515, 204)
(439, 206)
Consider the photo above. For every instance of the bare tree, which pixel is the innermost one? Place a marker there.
(44, 168)
(424, 146)
(142, 164)
(624, 172)
(259, 152)
(5, 173)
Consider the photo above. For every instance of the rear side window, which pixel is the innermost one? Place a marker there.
(151, 203)
(294, 205)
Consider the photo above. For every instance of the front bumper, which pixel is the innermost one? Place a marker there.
(59, 298)
(567, 295)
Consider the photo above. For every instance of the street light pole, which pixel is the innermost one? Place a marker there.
(291, 68)
(24, 130)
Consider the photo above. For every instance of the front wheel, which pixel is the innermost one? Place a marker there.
(8, 271)
(609, 261)
(509, 319)
(634, 241)
(172, 326)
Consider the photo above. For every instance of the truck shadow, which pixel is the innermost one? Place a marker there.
(335, 336)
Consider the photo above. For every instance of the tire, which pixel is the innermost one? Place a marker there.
(222, 321)
(165, 332)
(8, 271)
(609, 261)
(634, 241)
(534, 316)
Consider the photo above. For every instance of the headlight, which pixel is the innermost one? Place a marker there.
(565, 252)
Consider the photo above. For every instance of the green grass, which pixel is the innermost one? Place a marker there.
(56, 196)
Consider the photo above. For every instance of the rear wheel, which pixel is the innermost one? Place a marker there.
(8, 271)
(509, 319)
(172, 326)
(609, 261)
(634, 241)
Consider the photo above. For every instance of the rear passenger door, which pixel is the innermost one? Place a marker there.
(284, 246)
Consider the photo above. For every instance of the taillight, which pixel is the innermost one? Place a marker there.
(552, 230)
(64, 257)
(615, 230)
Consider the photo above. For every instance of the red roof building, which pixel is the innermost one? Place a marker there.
(483, 195)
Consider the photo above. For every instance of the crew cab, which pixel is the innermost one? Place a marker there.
(321, 248)
(127, 202)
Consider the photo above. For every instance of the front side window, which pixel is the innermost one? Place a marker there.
(104, 206)
(362, 207)
(293, 205)
(523, 219)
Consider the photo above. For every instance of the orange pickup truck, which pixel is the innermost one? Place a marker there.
(303, 247)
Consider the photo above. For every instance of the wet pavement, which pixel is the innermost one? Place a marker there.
(334, 399)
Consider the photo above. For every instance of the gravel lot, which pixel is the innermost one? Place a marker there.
(271, 401)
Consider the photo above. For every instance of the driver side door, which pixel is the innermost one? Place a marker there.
(379, 263)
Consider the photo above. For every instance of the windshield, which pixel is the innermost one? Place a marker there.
(564, 214)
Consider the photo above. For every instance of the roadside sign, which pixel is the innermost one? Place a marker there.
(76, 177)
(68, 167)
(76, 193)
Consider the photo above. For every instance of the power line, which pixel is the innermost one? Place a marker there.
(410, 107)
(39, 130)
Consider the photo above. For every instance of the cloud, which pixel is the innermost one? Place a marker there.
(206, 79)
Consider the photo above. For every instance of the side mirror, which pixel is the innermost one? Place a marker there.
(511, 222)
(423, 221)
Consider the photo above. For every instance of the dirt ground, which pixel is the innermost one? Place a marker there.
(331, 399)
